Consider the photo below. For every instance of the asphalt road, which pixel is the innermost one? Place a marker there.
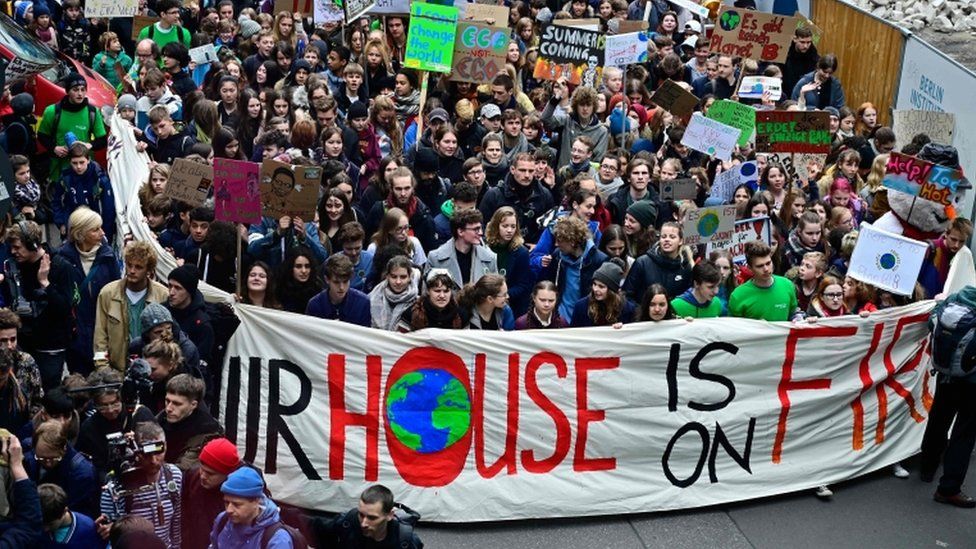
(877, 510)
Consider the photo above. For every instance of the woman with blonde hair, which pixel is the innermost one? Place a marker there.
(389, 131)
(874, 193)
(395, 229)
(505, 239)
(155, 185)
(377, 65)
(285, 30)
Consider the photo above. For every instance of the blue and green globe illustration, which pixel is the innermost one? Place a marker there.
(428, 410)
(708, 224)
(888, 261)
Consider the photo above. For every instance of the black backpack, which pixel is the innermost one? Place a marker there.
(953, 344)
(297, 539)
(348, 527)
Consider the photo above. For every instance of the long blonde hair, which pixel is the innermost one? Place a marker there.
(492, 236)
(877, 173)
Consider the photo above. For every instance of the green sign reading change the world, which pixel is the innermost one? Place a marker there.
(430, 41)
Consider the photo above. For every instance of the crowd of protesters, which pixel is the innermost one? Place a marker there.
(512, 204)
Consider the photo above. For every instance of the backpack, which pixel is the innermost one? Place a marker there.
(91, 120)
(179, 33)
(297, 539)
(348, 527)
(953, 342)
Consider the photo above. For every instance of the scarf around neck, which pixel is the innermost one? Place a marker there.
(386, 307)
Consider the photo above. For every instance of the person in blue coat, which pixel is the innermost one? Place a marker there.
(93, 265)
(24, 528)
(820, 88)
(581, 203)
(573, 263)
(83, 184)
(504, 237)
(606, 305)
(249, 514)
(272, 239)
(339, 301)
(64, 528)
(55, 461)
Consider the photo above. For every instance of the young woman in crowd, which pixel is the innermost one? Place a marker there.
(605, 305)
(298, 280)
(829, 300)
(394, 295)
(484, 304)
(505, 239)
(156, 185)
(259, 287)
(395, 229)
(655, 306)
(542, 314)
(726, 266)
(334, 211)
(437, 308)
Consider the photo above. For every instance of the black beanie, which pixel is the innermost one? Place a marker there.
(188, 276)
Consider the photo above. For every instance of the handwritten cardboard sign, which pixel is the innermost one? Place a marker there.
(746, 230)
(753, 87)
(625, 49)
(939, 126)
(430, 40)
(803, 161)
(623, 27)
(793, 131)
(886, 260)
(486, 13)
(479, 52)
(711, 137)
(354, 9)
(753, 34)
(328, 12)
(189, 182)
(106, 9)
(20, 67)
(289, 190)
(737, 115)
(695, 8)
(703, 225)
(237, 192)
(675, 99)
(921, 178)
(571, 52)
(746, 173)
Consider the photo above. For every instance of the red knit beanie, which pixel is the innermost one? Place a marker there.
(220, 455)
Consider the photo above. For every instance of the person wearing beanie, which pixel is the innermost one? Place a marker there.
(699, 300)
(73, 114)
(202, 498)
(249, 513)
(24, 12)
(189, 309)
(643, 212)
(18, 136)
(605, 305)
(249, 27)
(369, 142)
(432, 189)
(157, 323)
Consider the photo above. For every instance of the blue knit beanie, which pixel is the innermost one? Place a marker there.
(244, 482)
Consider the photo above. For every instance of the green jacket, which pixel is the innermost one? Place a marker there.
(104, 64)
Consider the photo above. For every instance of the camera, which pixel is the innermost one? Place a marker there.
(124, 478)
(24, 308)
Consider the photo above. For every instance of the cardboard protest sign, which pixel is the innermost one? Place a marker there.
(725, 183)
(703, 225)
(106, 9)
(802, 162)
(140, 22)
(921, 178)
(189, 182)
(679, 189)
(354, 9)
(746, 230)
(939, 126)
(237, 192)
(390, 7)
(711, 137)
(624, 27)
(486, 13)
(570, 52)
(479, 52)
(793, 131)
(625, 49)
(289, 190)
(737, 115)
(675, 99)
(753, 87)
(430, 40)
(887, 260)
(304, 7)
(753, 34)
(204, 54)
(20, 67)
(326, 11)
(590, 24)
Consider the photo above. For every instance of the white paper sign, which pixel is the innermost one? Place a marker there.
(22, 68)
(726, 182)
(747, 230)
(203, 54)
(711, 137)
(105, 9)
(626, 49)
(753, 87)
(887, 260)
(710, 223)
(939, 126)
(693, 7)
(327, 11)
(389, 7)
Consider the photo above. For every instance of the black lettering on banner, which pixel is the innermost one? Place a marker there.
(233, 398)
(672, 376)
(723, 441)
(703, 433)
(276, 411)
(253, 408)
(695, 370)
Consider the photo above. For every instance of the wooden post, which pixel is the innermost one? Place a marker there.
(420, 113)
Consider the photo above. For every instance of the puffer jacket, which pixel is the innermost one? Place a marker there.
(654, 268)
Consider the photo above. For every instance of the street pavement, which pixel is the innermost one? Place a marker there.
(877, 510)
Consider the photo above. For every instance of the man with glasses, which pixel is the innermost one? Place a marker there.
(112, 416)
(403, 195)
(168, 28)
(54, 461)
(820, 88)
(464, 257)
(608, 180)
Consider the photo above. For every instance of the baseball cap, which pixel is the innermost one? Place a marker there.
(490, 111)
(693, 26)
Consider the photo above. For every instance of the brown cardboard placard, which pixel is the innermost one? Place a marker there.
(486, 13)
(479, 52)
(140, 22)
(189, 182)
(292, 6)
(289, 190)
(675, 99)
(765, 37)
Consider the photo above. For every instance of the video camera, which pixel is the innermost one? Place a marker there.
(125, 479)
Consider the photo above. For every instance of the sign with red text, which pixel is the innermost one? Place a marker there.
(887, 260)
(793, 131)
(479, 52)
(747, 230)
(538, 424)
(237, 192)
(921, 178)
(626, 49)
(753, 35)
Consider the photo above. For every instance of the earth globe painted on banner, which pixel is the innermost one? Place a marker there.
(428, 410)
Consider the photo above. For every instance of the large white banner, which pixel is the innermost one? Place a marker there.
(476, 426)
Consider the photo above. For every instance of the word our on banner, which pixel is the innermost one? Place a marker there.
(711, 137)
(887, 260)
(679, 189)
(430, 40)
(237, 191)
(753, 35)
(746, 173)
(105, 9)
(703, 225)
(754, 87)
(20, 67)
(390, 7)
(793, 131)
(326, 11)
(287, 190)
(189, 182)
(304, 7)
(626, 49)
(746, 230)
(939, 126)
(737, 115)
(921, 178)
(479, 52)
(572, 53)
(354, 9)
(675, 99)
(667, 415)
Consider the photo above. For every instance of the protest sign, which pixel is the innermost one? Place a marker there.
(354, 9)
(747, 230)
(625, 49)
(887, 260)
(106, 9)
(479, 52)
(793, 131)
(753, 87)
(698, 10)
(802, 162)
(21, 67)
(675, 99)
(430, 40)
(140, 22)
(590, 24)
(703, 225)
(486, 13)
(204, 54)
(572, 53)
(939, 126)
(624, 27)
(291, 191)
(753, 35)
(390, 7)
(326, 11)
(921, 178)
(679, 189)
(785, 160)
(677, 415)
(305, 7)
(189, 182)
(710, 137)
(737, 115)
(746, 173)
(237, 193)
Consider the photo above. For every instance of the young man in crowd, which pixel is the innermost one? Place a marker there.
(524, 193)
(339, 301)
(403, 195)
(189, 310)
(699, 300)
(766, 296)
(374, 523)
(202, 498)
(464, 256)
(249, 514)
(187, 424)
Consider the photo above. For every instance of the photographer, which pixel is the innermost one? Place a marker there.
(114, 415)
(25, 528)
(373, 524)
(188, 426)
(39, 287)
(19, 364)
(150, 490)
(54, 461)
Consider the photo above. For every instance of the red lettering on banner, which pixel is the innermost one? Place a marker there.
(341, 418)
(866, 383)
(585, 416)
(563, 431)
(507, 459)
(890, 380)
(787, 384)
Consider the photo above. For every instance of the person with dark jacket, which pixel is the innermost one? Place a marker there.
(604, 305)
(26, 526)
(529, 198)
(433, 189)
(801, 59)
(403, 186)
(18, 135)
(664, 264)
(339, 301)
(170, 143)
(84, 183)
(202, 499)
(820, 88)
(176, 58)
(189, 310)
(157, 323)
(573, 263)
(55, 461)
(638, 189)
(187, 424)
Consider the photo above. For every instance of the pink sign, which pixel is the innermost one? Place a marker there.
(237, 196)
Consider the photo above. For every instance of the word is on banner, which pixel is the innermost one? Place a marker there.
(737, 115)
(237, 191)
(747, 230)
(479, 52)
(626, 49)
(887, 260)
(753, 34)
(572, 53)
(430, 40)
(189, 182)
(291, 191)
(703, 225)
(921, 178)
(754, 87)
(675, 99)
(106, 9)
(792, 131)
(939, 126)
(711, 137)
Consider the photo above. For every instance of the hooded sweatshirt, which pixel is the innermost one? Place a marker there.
(687, 305)
(248, 536)
(655, 268)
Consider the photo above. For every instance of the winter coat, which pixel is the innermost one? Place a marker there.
(248, 536)
(504, 319)
(547, 243)
(434, 193)
(537, 203)
(83, 535)
(529, 321)
(794, 250)
(354, 309)
(587, 263)
(104, 270)
(421, 221)
(50, 328)
(104, 64)
(26, 527)
(191, 356)
(836, 98)
(570, 127)
(186, 438)
(654, 268)
(195, 323)
(93, 189)
(581, 314)
(445, 257)
(514, 266)
(112, 320)
(798, 64)
(200, 508)
(75, 474)
(620, 201)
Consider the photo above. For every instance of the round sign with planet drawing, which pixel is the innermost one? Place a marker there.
(888, 261)
(708, 223)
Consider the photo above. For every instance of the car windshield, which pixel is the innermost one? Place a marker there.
(21, 44)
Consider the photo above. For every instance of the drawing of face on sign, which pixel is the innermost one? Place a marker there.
(589, 76)
(281, 183)
(252, 184)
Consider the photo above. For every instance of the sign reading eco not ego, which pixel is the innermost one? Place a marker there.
(479, 52)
